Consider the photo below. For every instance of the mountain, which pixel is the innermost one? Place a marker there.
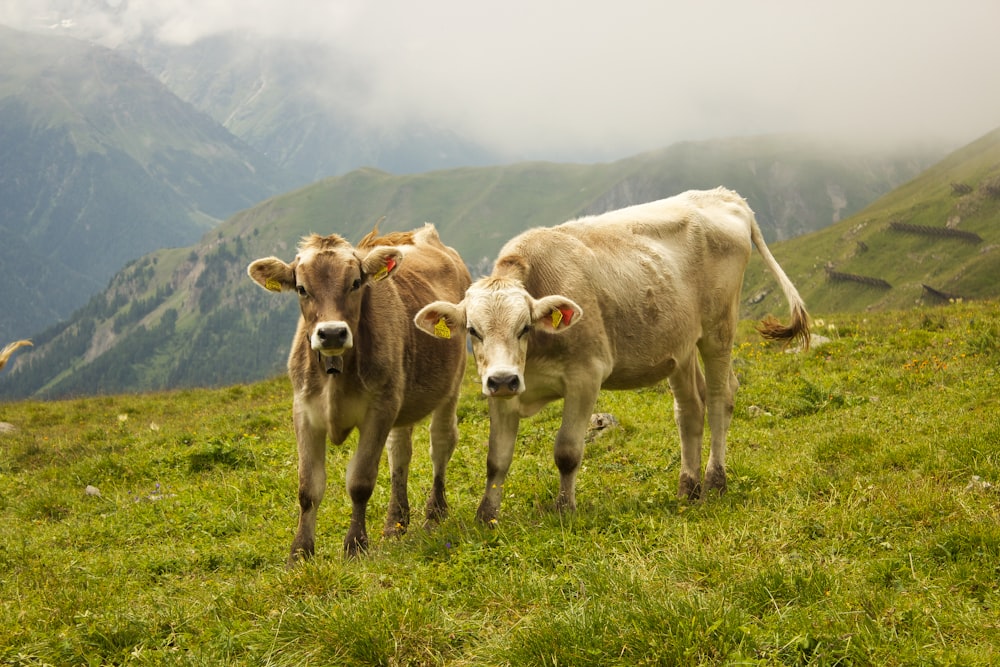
(932, 239)
(190, 316)
(299, 104)
(100, 164)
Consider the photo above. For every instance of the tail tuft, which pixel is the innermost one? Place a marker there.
(772, 329)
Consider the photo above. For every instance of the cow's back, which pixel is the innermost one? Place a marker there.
(430, 271)
(650, 279)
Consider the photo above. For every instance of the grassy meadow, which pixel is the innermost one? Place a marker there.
(861, 525)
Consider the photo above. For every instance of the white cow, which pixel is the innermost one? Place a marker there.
(616, 301)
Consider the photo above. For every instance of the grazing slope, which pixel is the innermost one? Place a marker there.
(933, 239)
(859, 527)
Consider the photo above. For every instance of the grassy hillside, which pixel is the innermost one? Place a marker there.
(859, 527)
(959, 196)
(192, 318)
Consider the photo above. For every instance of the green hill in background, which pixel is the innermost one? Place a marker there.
(932, 239)
(191, 317)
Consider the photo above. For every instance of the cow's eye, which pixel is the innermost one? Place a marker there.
(356, 285)
(301, 290)
(475, 334)
(525, 331)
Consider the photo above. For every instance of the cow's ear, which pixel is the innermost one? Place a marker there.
(381, 262)
(441, 319)
(555, 314)
(272, 274)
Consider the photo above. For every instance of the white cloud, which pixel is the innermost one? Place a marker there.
(620, 76)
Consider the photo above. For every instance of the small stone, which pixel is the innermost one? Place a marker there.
(602, 420)
(977, 483)
(92, 490)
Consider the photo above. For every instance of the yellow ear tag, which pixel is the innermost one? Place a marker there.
(557, 317)
(441, 329)
(272, 285)
(390, 264)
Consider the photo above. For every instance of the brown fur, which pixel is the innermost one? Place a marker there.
(322, 243)
(772, 329)
(372, 239)
(380, 376)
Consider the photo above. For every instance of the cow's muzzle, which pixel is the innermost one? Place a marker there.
(502, 385)
(330, 340)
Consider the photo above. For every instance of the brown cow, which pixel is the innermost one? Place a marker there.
(9, 349)
(616, 301)
(357, 361)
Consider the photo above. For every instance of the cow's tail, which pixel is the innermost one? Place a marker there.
(770, 327)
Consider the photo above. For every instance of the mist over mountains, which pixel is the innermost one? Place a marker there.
(166, 166)
(301, 105)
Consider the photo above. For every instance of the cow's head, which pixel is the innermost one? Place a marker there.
(330, 277)
(498, 315)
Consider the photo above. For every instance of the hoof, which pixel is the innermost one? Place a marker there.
(300, 551)
(355, 546)
(565, 505)
(715, 481)
(688, 488)
(487, 513)
(397, 529)
(435, 514)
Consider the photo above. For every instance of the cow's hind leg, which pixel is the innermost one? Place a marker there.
(688, 386)
(400, 451)
(568, 451)
(312, 484)
(722, 385)
(444, 438)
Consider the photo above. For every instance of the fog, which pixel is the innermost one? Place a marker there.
(564, 78)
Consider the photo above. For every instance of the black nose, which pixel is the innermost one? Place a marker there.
(332, 336)
(503, 385)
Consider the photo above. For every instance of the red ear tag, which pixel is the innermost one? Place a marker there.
(390, 264)
(567, 315)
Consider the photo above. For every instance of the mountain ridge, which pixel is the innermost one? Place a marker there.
(100, 164)
(189, 316)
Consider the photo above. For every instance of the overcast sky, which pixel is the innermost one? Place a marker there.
(617, 77)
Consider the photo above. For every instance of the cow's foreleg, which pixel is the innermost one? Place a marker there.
(312, 482)
(722, 385)
(568, 450)
(688, 386)
(400, 449)
(444, 438)
(504, 422)
(362, 472)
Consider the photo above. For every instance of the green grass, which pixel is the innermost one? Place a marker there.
(859, 527)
